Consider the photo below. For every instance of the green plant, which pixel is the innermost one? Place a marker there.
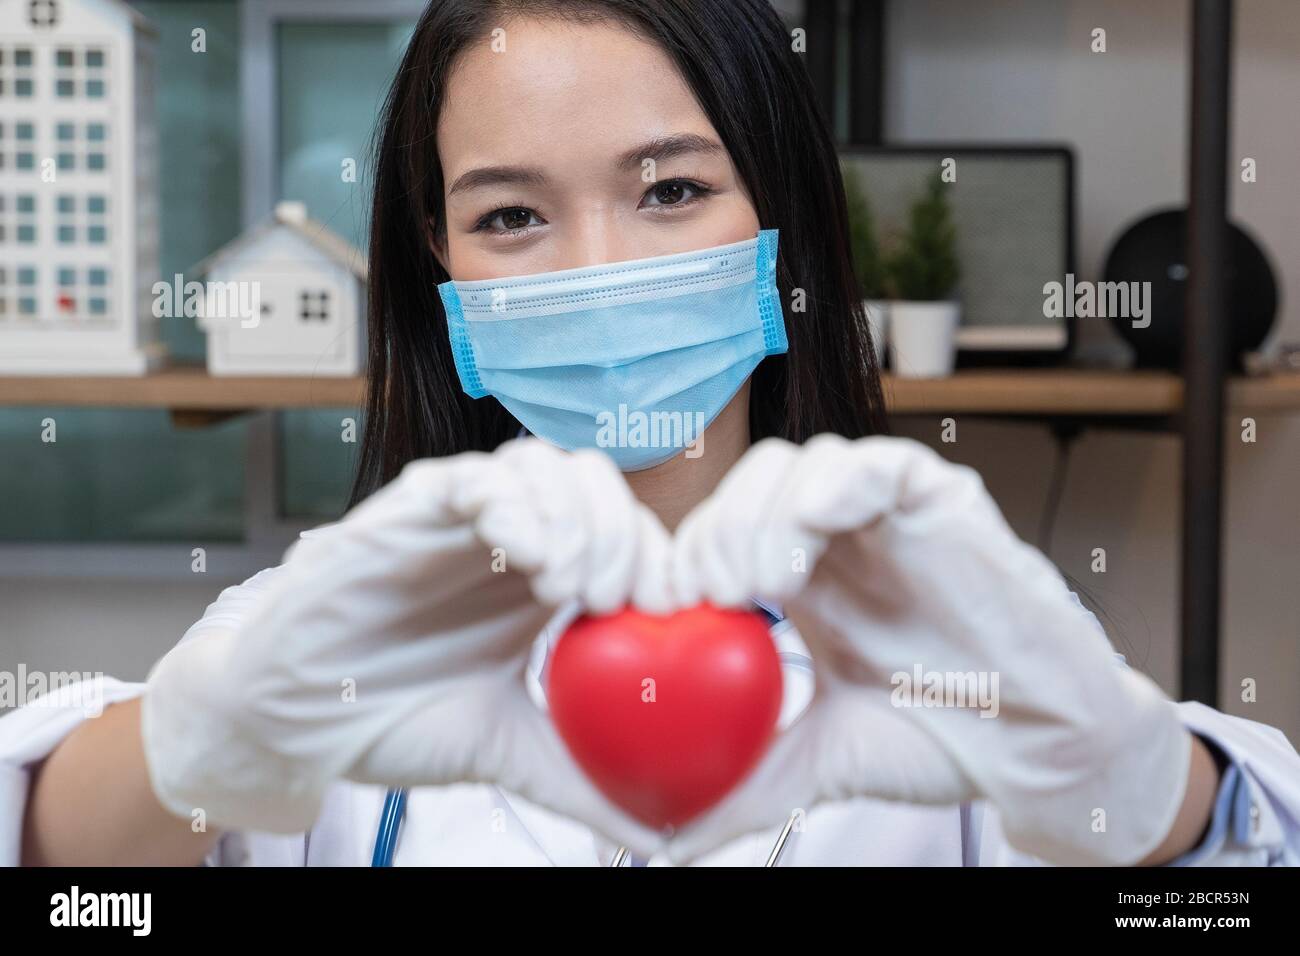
(868, 264)
(923, 266)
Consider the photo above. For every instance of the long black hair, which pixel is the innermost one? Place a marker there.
(737, 57)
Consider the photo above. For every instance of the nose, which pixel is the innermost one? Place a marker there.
(596, 239)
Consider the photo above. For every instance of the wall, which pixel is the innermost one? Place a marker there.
(118, 628)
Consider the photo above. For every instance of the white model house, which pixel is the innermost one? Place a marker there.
(285, 298)
(78, 189)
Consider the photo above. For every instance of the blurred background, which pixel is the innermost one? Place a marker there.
(98, 530)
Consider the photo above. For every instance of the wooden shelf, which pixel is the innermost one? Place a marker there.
(182, 387)
(1077, 392)
(195, 397)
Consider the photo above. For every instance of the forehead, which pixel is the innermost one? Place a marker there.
(563, 93)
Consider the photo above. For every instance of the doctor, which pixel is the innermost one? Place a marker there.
(585, 213)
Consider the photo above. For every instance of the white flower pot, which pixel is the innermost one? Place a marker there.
(878, 323)
(923, 338)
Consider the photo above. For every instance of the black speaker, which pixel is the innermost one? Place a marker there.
(1154, 250)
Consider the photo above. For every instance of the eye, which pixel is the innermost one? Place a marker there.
(509, 219)
(674, 192)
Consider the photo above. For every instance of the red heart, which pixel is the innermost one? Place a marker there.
(666, 714)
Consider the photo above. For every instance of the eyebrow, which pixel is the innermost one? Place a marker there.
(498, 176)
(659, 149)
(663, 148)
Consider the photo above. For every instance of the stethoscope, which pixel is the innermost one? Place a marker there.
(394, 812)
(621, 855)
(390, 821)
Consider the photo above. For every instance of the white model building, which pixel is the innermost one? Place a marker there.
(78, 188)
(308, 287)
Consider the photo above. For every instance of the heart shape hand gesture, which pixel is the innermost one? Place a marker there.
(426, 600)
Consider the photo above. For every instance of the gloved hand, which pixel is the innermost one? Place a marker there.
(393, 648)
(887, 558)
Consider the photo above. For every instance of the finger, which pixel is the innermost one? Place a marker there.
(719, 546)
(788, 546)
(881, 476)
(653, 590)
(709, 560)
(492, 733)
(478, 480)
(489, 493)
(781, 785)
(537, 766)
(516, 529)
(719, 579)
(686, 582)
(553, 481)
(608, 512)
(543, 491)
(881, 750)
(850, 743)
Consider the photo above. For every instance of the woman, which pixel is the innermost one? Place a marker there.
(584, 213)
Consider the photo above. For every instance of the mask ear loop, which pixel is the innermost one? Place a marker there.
(769, 298)
(462, 350)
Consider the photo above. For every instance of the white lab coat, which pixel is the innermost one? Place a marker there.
(481, 825)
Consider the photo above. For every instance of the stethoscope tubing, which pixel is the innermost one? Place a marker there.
(390, 822)
(621, 855)
(394, 812)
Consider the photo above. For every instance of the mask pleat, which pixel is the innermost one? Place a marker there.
(614, 336)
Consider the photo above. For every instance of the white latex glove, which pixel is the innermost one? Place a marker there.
(393, 649)
(914, 564)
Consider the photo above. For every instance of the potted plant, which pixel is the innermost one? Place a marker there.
(922, 273)
(868, 263)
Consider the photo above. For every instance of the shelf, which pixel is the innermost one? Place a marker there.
(1077, 392)
(194, 397)
(184, 388)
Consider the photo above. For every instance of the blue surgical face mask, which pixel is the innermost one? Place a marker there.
(635, 358)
